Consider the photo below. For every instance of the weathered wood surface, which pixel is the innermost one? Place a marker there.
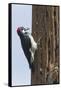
(45, 25)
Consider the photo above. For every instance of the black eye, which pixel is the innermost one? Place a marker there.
(22, 28)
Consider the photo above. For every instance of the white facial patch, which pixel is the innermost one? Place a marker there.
(23, 31)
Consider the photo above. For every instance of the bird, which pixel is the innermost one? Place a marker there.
(28, 44)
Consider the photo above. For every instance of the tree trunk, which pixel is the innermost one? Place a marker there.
(45, 26)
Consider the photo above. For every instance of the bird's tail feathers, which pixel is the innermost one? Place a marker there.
(32, 67)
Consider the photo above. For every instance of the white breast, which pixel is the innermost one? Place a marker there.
(33, 43)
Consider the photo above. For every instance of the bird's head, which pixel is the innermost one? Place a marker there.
(20, 30)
